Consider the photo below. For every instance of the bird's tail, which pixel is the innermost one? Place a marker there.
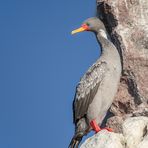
(75, 141)
(80, 131)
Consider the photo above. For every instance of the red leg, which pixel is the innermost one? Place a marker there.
(96, 127)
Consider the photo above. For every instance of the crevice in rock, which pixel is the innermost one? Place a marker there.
(141, 112)
(108, 115)
(145, 132)
(132, 86)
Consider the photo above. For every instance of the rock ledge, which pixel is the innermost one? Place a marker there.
(134, 135)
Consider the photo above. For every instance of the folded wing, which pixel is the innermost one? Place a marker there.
(87, 89)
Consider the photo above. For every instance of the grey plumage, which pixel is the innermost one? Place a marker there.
(97, 88)
(87, 88)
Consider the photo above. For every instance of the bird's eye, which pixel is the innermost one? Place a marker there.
(87, 24)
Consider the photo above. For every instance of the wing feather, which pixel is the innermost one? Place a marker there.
(87, 89)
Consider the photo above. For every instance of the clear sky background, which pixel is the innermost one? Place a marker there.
(40, 65)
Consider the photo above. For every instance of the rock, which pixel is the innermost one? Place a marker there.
(135, 132)
(104, 139)
(134, 135)
(144, 143)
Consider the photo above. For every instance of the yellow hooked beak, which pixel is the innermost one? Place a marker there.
(84, 27)
(78, 30)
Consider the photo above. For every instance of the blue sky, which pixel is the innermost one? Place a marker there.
(41, 63)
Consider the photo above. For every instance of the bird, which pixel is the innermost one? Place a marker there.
(97, 88)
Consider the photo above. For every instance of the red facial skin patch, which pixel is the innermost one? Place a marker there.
(86, 27)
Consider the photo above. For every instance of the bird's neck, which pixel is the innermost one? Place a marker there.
(103, 40)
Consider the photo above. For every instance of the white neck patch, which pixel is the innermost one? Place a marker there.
(103, 33)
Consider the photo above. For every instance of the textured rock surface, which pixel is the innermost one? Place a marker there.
(134, 135)
(127, 25)
(135, 132)
(104, 139)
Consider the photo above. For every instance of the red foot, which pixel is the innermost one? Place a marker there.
(108, 129)
(96, 127)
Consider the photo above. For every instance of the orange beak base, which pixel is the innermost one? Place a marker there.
(84, 27)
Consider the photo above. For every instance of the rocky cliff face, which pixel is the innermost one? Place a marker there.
(127, 25)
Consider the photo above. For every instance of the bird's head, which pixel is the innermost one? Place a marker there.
(91, 24)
